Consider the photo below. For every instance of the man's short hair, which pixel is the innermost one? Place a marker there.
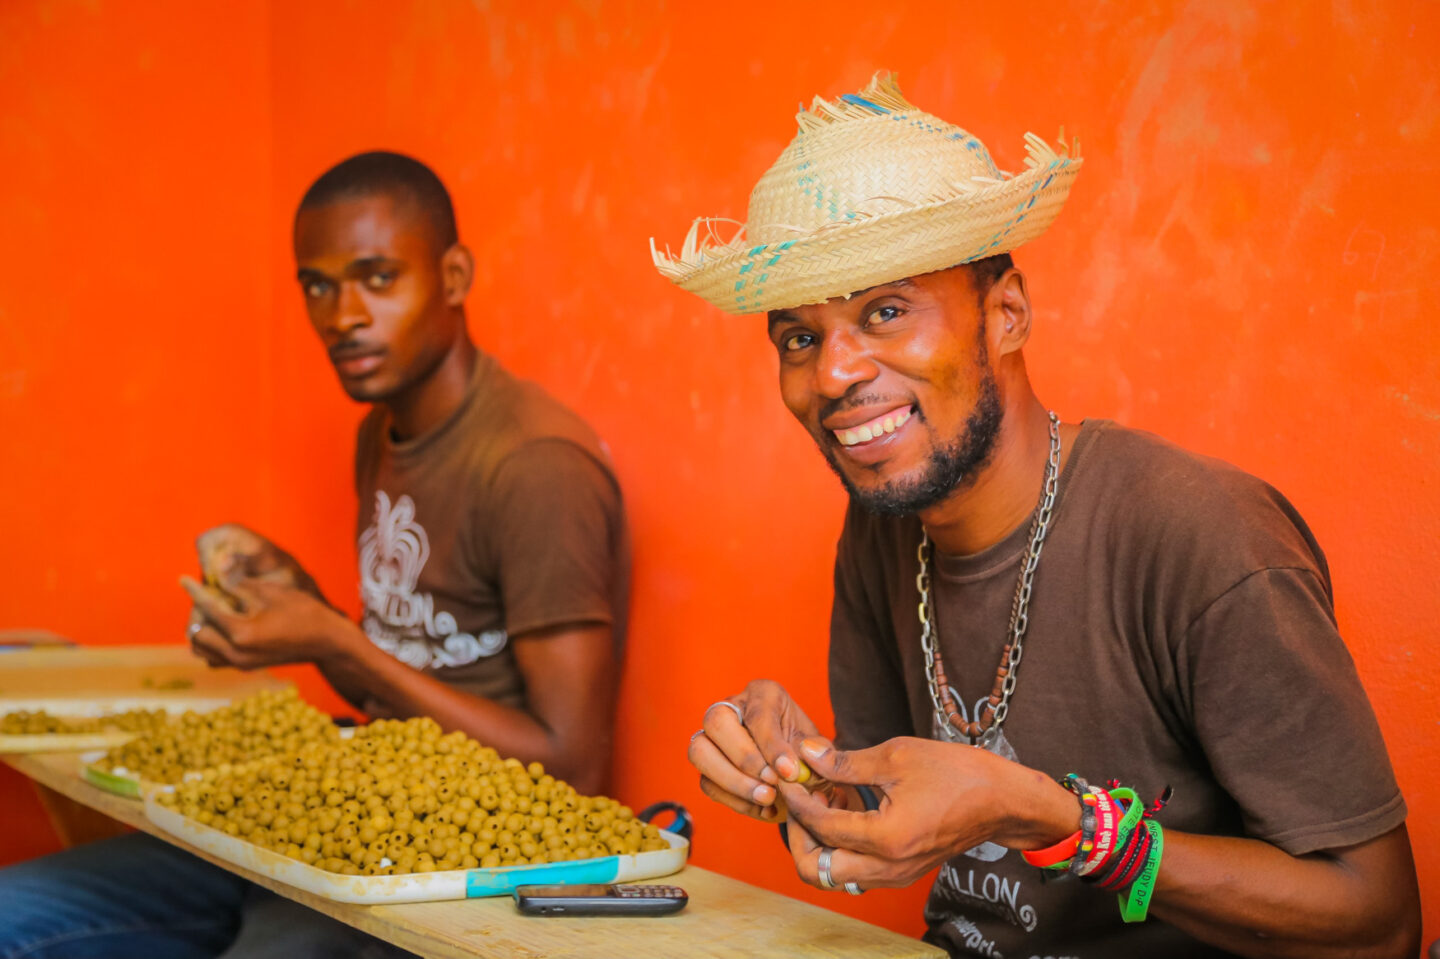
(986, 272)
(380, 172)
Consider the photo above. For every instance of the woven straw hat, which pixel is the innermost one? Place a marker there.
(871, 190)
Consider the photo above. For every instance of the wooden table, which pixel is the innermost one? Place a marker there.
(725, 919)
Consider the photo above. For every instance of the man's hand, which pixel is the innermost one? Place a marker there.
(939, 799)
(741, 763)
(275, 624)
(232, 553)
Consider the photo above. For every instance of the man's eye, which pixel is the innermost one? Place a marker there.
(882, 314)
(380, 280)
(797, 341)
(316, 288)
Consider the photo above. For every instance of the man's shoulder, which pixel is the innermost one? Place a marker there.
(1145, 486)
(1155, 471)
(519, 414)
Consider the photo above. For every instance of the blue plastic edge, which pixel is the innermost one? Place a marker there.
(491, 882)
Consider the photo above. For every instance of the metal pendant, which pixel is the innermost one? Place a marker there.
(992, 740)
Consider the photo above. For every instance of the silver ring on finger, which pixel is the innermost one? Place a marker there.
(194, 629)
(823, 868)
(853, 888)
(725, 702)
(697, 734)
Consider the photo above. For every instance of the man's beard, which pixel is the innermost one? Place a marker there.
(951, 465)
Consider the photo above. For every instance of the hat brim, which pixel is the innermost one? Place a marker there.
(867, 251)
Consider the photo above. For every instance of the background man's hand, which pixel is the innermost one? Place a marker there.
(939, 799)
(274, 624)
(231, 553)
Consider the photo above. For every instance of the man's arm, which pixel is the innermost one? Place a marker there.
(1242, 894)
(570, 675)
(1257, 900)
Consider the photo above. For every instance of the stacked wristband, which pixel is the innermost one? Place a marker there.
(1117, 846)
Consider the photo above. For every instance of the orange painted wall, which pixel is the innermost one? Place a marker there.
(1247, 265)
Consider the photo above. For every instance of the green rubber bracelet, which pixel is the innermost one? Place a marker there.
(1133, 811)
(1135, 906)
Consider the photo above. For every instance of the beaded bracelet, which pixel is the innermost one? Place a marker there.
(1067, 852)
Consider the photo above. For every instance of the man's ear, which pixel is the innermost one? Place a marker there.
(457, 269)
(1007, 310)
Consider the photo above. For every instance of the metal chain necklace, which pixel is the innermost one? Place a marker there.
(984, 729)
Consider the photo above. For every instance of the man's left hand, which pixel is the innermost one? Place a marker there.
(275, 624)
(939, 799)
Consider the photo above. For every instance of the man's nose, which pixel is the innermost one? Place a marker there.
(351, 312)
(844, 362)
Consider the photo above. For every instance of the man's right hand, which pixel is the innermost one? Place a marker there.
(232, 553)
(740, 762)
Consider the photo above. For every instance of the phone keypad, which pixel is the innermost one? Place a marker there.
(626, 891)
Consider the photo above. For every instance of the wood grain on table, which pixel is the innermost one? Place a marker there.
(167, 675)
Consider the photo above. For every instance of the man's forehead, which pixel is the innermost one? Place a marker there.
(777, 316)
(376, 225)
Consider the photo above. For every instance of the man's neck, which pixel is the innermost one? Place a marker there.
(431, 402)
(1005, 492)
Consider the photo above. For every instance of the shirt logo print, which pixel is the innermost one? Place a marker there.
(399, 619)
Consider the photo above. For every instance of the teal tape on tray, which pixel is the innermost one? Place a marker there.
(490, 882)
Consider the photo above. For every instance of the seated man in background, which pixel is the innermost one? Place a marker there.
(1178, 630)
(494, 573)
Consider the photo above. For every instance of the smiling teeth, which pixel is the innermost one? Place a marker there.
(877, 427)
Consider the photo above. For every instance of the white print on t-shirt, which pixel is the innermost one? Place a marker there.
(967, 934)
(1000, 746)
(397, 619)
(988, 892)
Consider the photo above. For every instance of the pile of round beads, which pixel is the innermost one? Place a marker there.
(402, 797)
(270, 721)
(39, 723)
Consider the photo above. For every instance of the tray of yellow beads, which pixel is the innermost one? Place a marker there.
(400, 812)
(80, 698)
(52, 725)
(169, 751)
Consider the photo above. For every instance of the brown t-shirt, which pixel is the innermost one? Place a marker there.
(1181, 632)
(502, 520)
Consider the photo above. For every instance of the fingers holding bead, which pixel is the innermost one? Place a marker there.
(726, 730)
(723, 781)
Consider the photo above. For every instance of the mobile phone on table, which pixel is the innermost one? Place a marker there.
(600, 899)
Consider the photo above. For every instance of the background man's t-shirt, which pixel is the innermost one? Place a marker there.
(1181, 633)
(503, 520)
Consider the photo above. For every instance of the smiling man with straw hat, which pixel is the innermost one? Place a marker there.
(1174, 613)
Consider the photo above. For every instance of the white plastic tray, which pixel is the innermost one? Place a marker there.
(414, 887)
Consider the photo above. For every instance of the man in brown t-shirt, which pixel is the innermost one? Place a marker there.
(494, 561)
(493, 567)
(1174, 614)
